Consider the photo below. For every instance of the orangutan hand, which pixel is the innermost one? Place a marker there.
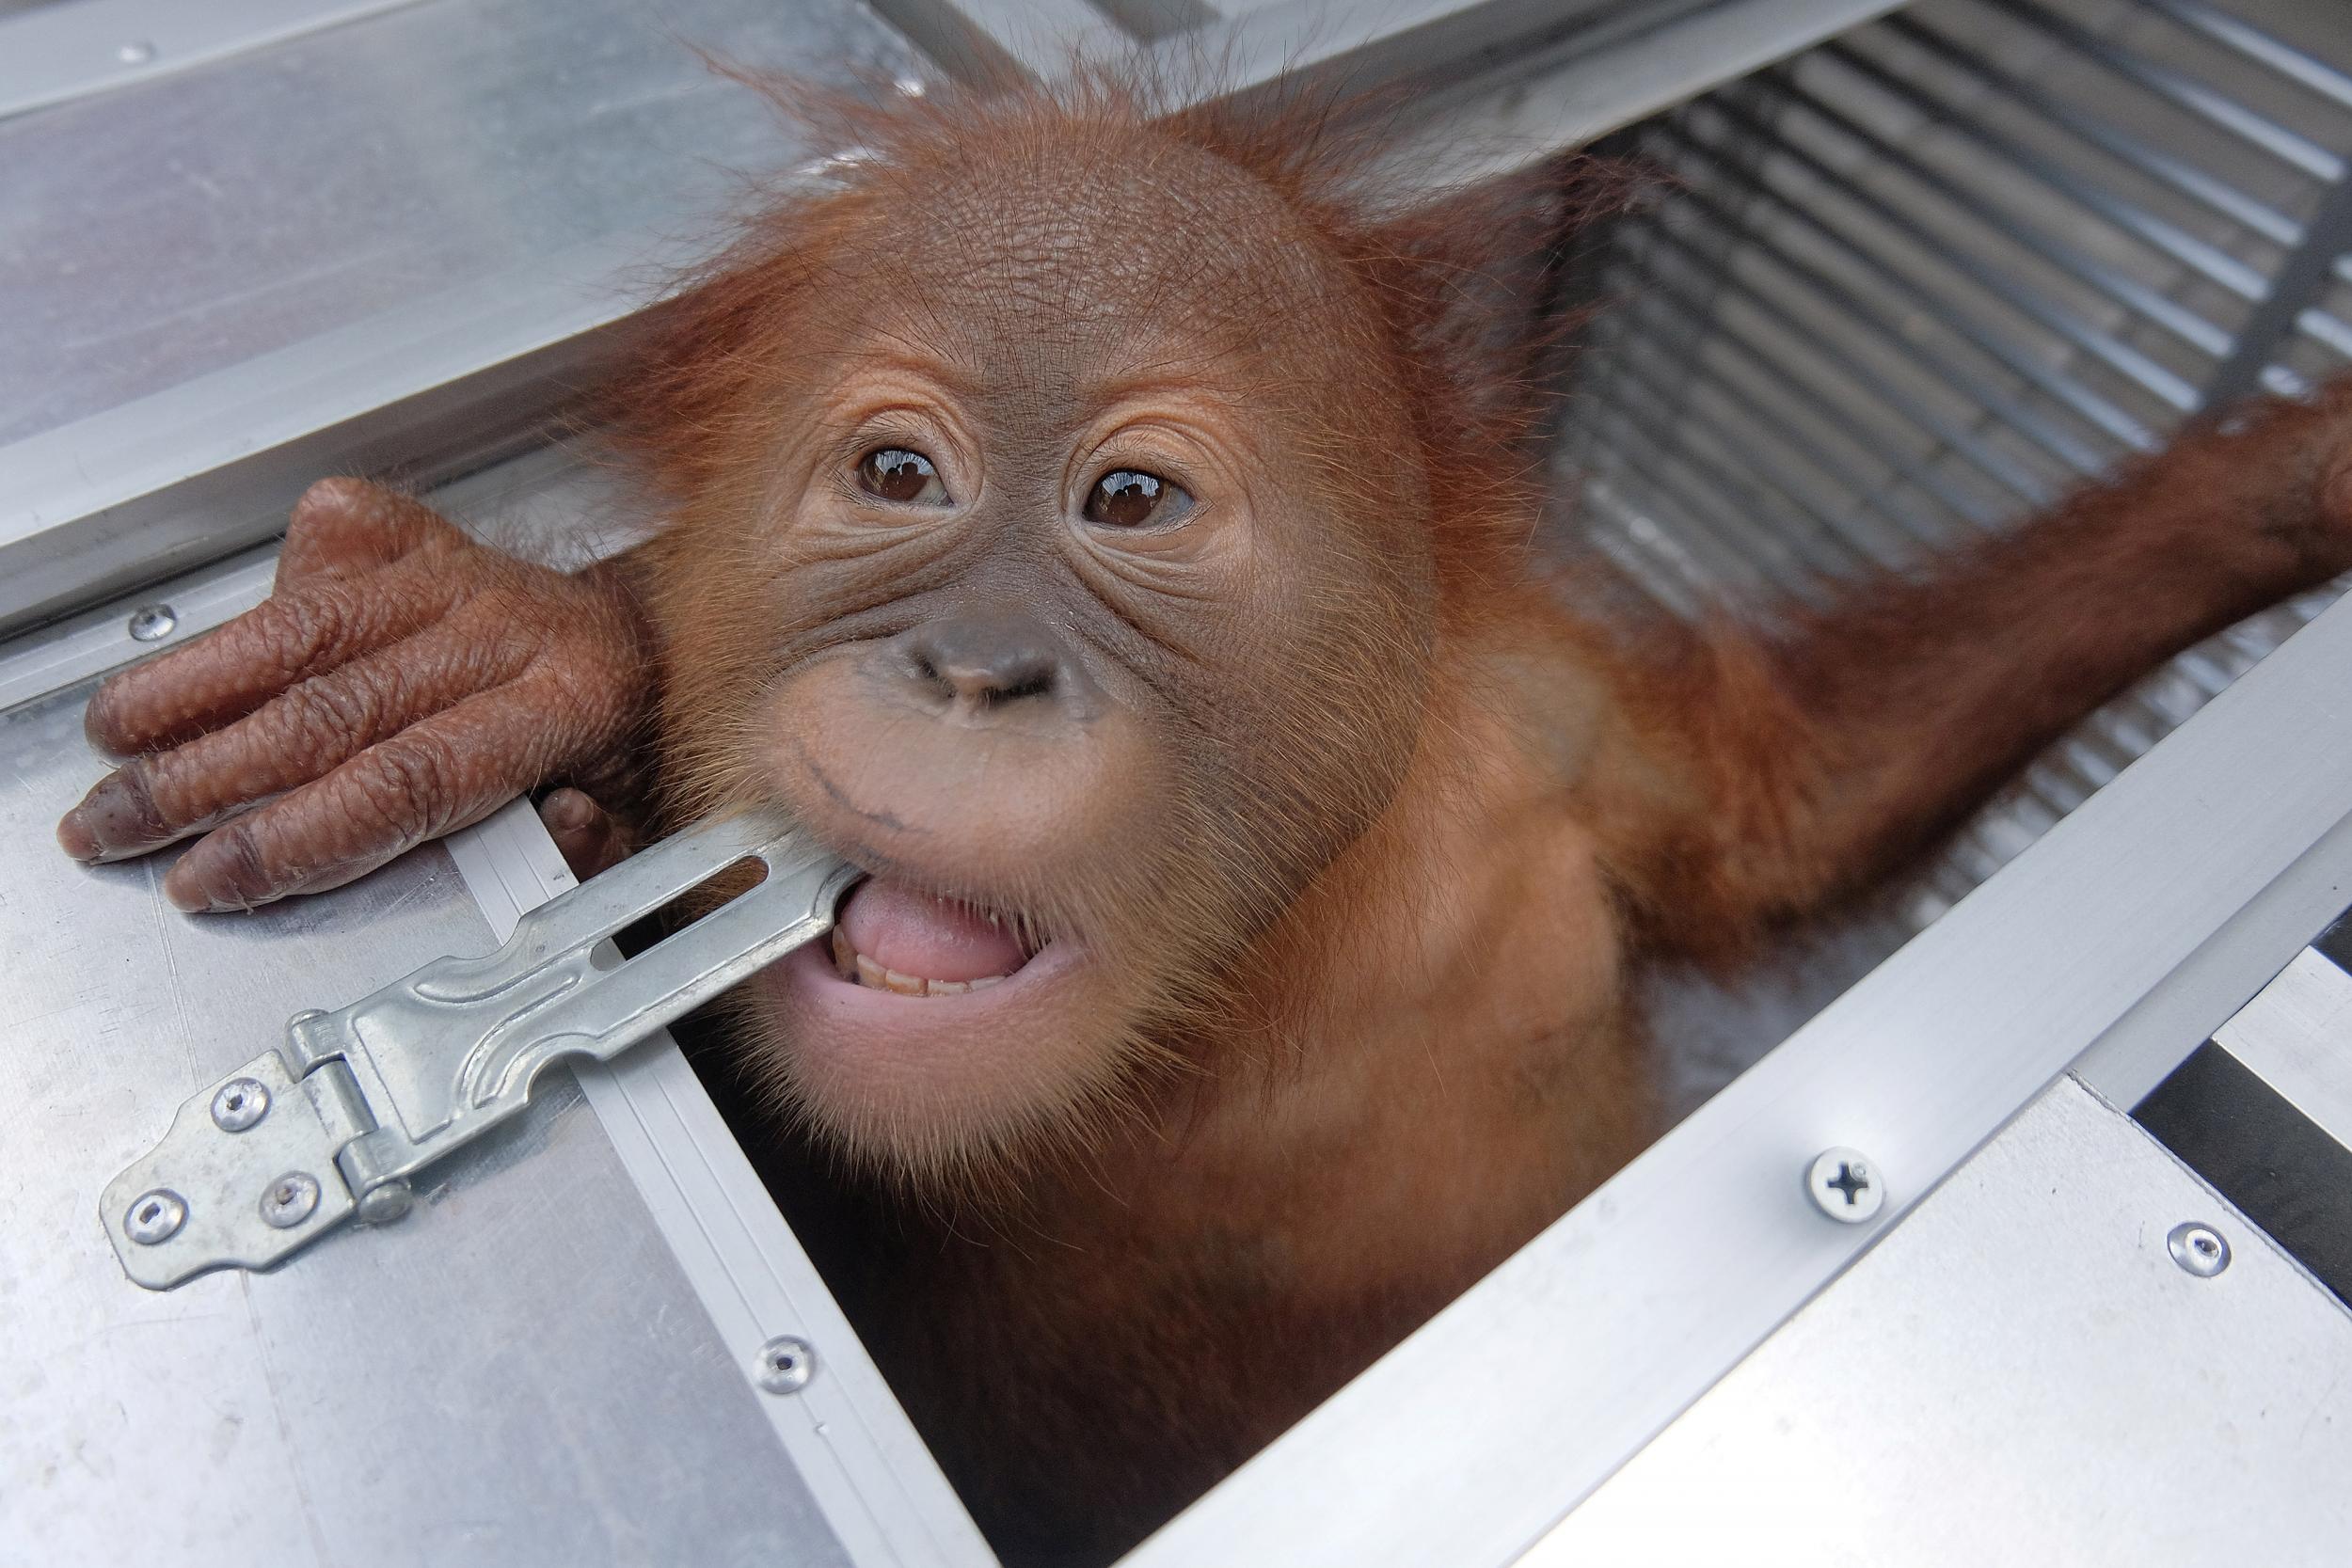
(401, 683)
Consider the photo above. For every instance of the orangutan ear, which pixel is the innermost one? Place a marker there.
(1480, 272)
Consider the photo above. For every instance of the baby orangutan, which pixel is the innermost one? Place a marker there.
(1104, 529)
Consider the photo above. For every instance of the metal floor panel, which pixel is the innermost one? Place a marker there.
(517, 1373)
(2020, 1373)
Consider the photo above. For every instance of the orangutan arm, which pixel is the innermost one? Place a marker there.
(1822, 754)
(400, 681)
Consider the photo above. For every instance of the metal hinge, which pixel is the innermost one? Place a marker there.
(333, 1122)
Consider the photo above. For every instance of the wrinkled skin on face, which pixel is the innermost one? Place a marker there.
(1128, 726)
(1108, 532)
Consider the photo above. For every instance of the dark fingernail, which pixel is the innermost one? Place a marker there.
(222, 873)
(116, 819)
(566, 809)
(98, 725)
(75, 837)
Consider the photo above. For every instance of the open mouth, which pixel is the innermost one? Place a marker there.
(925, 1019)
(890, 937)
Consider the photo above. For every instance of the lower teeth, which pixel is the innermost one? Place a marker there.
(856, 967)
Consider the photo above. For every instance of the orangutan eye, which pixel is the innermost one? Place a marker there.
(1129, 498)
(895, 474)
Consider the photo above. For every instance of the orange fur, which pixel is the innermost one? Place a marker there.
(1337, 821)
(1364, 1076)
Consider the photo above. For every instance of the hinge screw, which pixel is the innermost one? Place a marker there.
(288, 1201)
(2198, 1249)
(155, 1216)
(785, 1364)
(1844, 1184)
(240, 1103)
(151, 622)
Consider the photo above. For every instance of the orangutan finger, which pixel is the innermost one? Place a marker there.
(301, 734)
(229, 672)
(342, 527)
(589, 836)
(447, 772)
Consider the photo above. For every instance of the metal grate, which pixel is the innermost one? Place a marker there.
(1920, 281)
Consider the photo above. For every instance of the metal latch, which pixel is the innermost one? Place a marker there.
(333, 1122)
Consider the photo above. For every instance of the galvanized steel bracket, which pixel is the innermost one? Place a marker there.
(332, 1122)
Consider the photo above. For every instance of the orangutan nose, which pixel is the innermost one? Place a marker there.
(987, 661)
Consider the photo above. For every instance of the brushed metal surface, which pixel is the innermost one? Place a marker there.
(53, 52)
(183, 225)
(517, 1373)
(397, 245)
(2296, 1036)
(2020, 1373)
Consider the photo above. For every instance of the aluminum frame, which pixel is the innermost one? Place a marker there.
(175, 479)
(445, 385)
(2023, 1373)
(2296, 1036)
(875, 1482)
(55, 53)
(1497, 128)
(418, 306)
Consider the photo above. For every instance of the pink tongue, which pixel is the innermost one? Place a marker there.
(926, 937)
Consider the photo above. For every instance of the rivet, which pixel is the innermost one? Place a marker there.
(785, 1364)
(138, 52)
(240, 1103)
(289, 1200)
(154, 1216)
(152, 622)
(381, 1205)
(1845, 1185)
(2198, 1248)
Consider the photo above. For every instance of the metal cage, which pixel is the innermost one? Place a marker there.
(1914, 283)
(1910, 273)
